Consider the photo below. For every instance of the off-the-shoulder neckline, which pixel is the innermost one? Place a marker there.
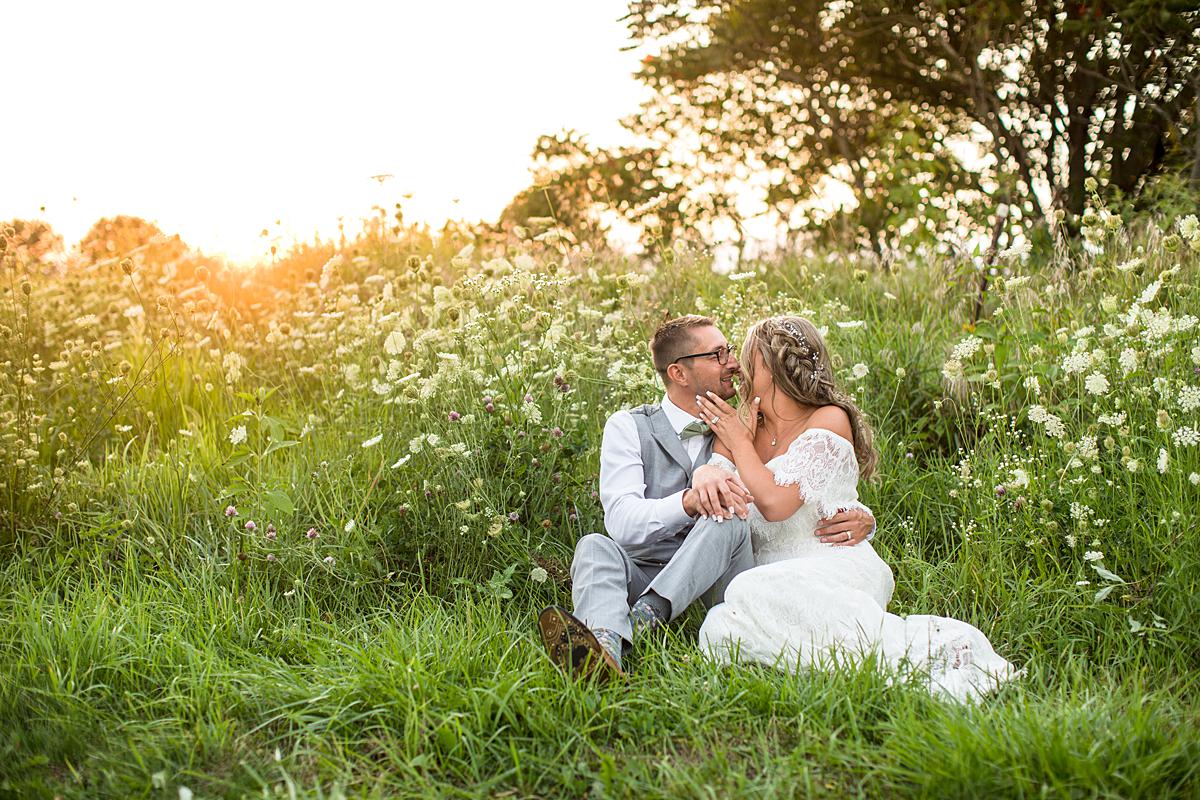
(836, 436)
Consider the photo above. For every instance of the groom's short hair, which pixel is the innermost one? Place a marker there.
(673, 339)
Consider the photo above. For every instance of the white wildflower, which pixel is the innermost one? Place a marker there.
(1164, 460)
(1020, 479)
(1189, 397)
(538, 575)
(395, 343)
(966, 348)
(1054, 426)
(1128, 360)
(1185, 436)
(237, 435)
(1093, 555)
(1158, 325)
(852, 324)
(232, 364)
(1189, 227)
(400, 462)
(1032, 386)
(533, 411)
(374, 440)
(859, 371)
(1115, 420)
(1096, 384)
(1194, 478)
(1086, 448)
(1076, 362)
(1017, 251)
(1149, 293)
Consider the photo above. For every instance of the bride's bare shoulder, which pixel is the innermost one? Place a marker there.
(832, 418)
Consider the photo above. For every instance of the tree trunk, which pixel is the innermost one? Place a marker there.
(1196, 153)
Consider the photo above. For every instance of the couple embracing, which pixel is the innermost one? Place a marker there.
(755, 511)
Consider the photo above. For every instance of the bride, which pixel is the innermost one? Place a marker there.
(806, 602)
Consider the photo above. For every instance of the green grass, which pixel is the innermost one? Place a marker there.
(149, 642)
(109, 684)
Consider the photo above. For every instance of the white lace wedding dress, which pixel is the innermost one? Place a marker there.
(812, 604)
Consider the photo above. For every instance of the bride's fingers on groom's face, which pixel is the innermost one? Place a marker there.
(720, 405)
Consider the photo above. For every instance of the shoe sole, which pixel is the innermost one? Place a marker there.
(572, 645)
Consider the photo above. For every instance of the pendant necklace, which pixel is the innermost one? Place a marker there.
(775, 436)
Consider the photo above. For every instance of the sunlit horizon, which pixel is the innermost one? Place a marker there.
(222, 123)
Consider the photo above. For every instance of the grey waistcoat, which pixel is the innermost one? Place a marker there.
(666, 469)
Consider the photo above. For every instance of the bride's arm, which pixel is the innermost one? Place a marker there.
(773, 501)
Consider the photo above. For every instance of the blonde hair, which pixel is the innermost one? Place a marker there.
(793, 351)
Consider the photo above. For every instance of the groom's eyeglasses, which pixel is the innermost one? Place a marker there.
(722, 354)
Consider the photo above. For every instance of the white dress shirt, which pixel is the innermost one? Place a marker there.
(629, 516)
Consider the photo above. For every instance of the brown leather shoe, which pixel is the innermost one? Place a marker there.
(573, 646)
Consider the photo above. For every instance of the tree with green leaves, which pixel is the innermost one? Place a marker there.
(1056, 91)
(575, 182)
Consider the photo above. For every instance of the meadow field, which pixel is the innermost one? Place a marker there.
(284, 532)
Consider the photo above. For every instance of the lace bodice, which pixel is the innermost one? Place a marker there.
(823, 466)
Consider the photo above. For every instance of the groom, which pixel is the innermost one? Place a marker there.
(664, 548)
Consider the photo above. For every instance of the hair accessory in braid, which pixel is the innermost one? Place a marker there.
(793, 330)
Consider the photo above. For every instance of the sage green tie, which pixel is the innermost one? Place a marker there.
(694, 429)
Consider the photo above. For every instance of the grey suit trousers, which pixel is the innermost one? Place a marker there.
(607, 579)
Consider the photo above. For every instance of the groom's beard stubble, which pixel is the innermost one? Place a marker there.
(727, 389)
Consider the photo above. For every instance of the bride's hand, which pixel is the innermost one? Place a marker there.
(717, 494)
(723, 420)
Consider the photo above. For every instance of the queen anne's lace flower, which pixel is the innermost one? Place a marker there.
(1189, 398)
(1185, 436)
(1096, 384)
(1128, 360)
(395, 343)
(1053, 425)
(966, 348)
(1076, 362)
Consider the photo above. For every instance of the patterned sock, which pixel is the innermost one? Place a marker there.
(650, 612)
(610, 641)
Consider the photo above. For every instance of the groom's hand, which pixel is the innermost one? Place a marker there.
(845, 528)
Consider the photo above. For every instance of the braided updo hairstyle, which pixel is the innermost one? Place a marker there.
(795, 354)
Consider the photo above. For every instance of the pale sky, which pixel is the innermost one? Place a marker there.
(216, 119)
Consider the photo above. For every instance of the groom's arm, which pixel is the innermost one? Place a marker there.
(629, 516)
(854, 519)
